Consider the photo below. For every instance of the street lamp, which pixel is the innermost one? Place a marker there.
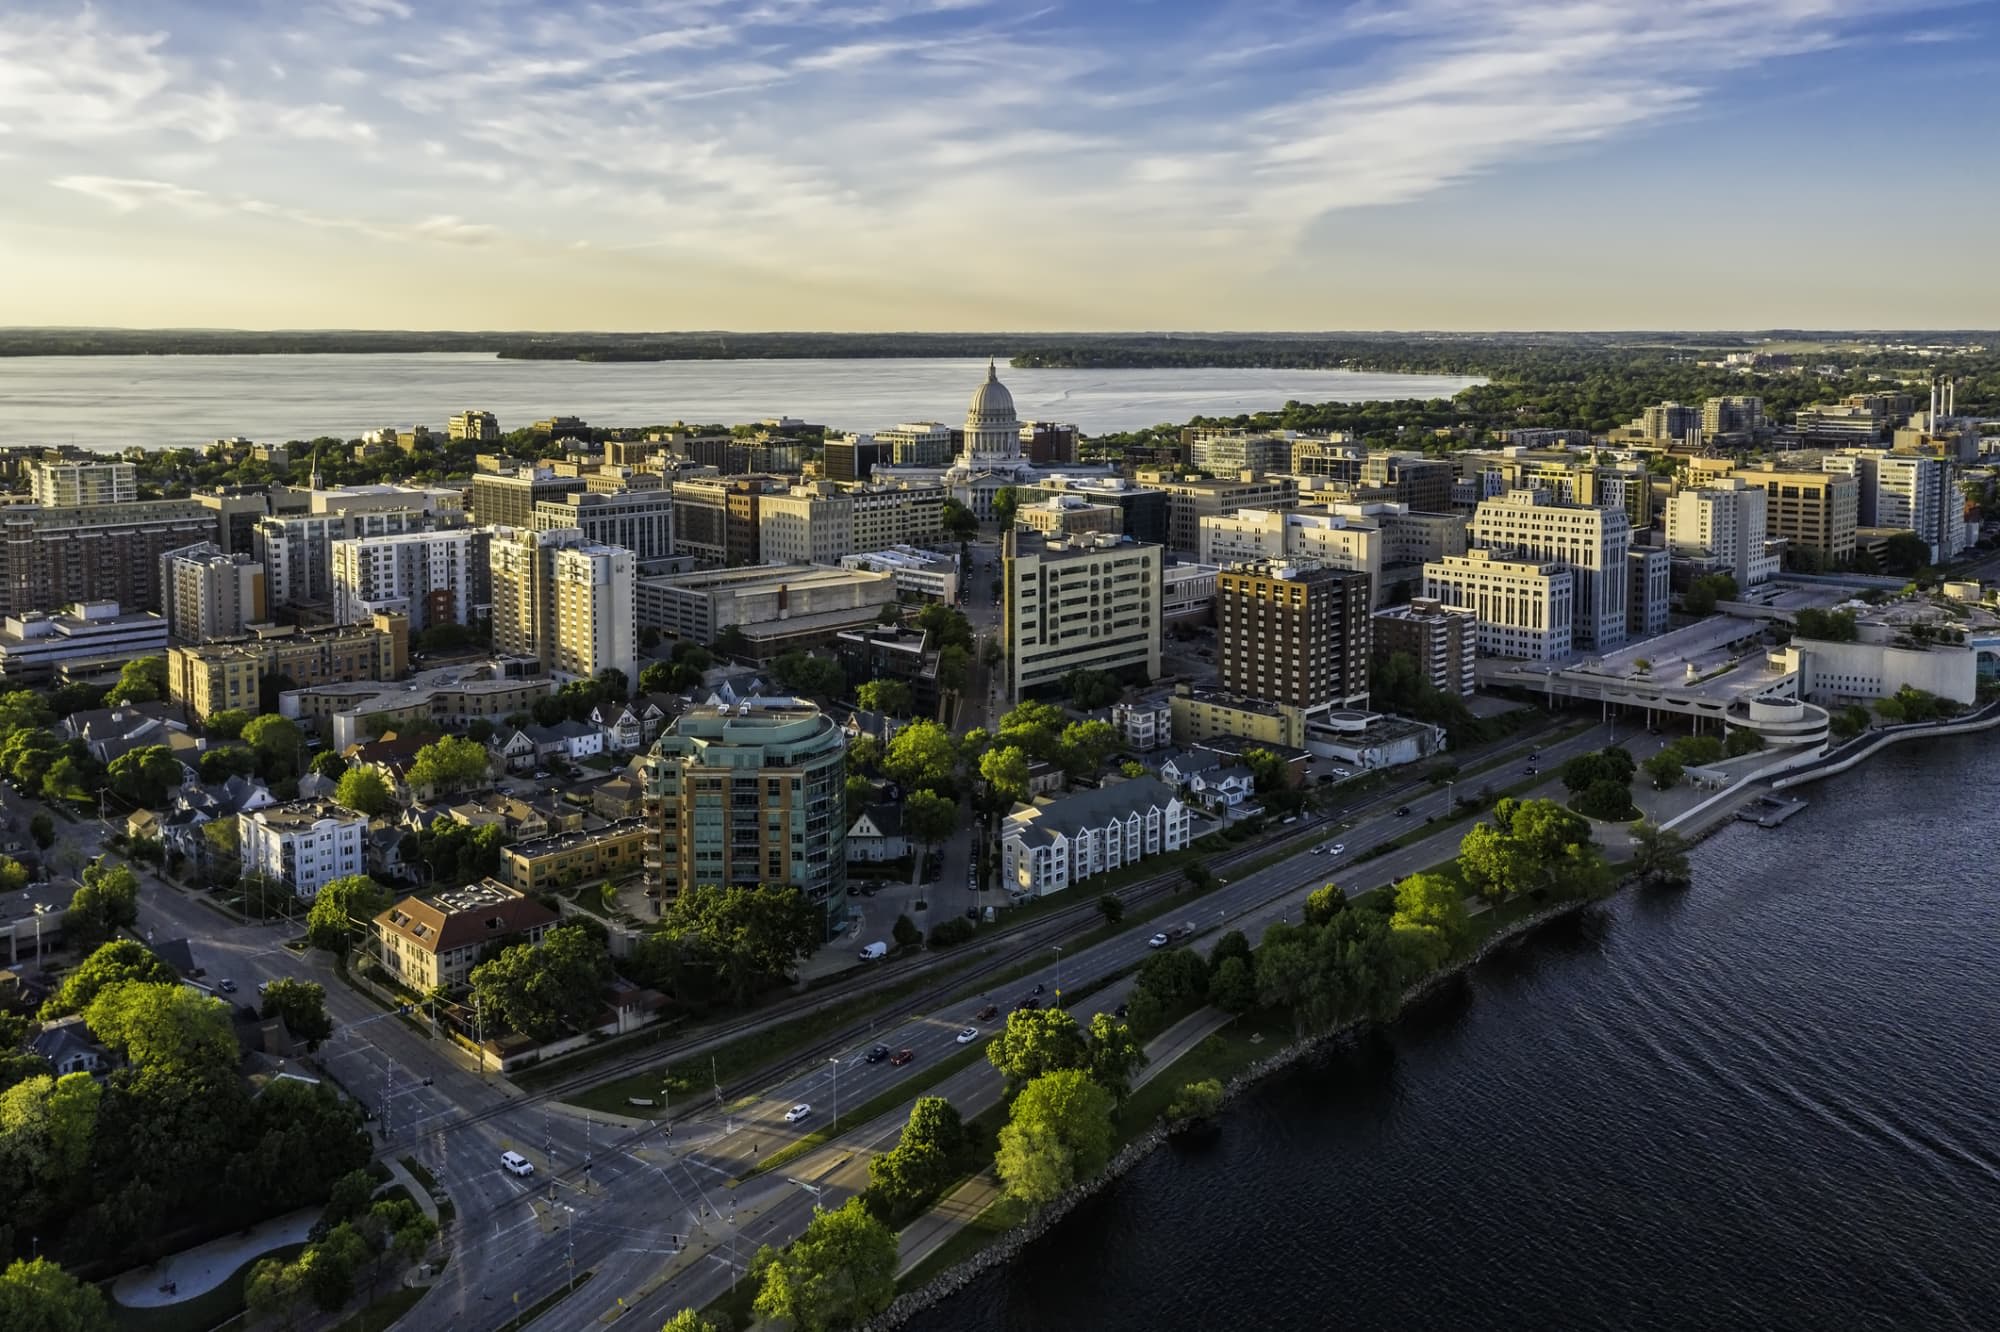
(41, 909)
(835, 1061)
(1058, 948)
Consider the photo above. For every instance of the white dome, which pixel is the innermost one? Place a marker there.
(991, 402)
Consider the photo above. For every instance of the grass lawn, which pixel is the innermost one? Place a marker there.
(1221, 1056)
(1000, 1217)
(875, 1105)
(732, 1310)
(382, 1312)
(204, 1311)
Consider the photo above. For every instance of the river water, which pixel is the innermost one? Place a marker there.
(1772, 1101)
(113, 402)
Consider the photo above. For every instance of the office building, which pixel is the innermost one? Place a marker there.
(917, 444)
(1735, 419)
(1053, 845)
(238, 510)
(206, 594)
(1187, 592)
(63, 484)
(509, 500)
(1066, 515)
(473, 424)
(1341, 537)
(211, 677)
(1228, 452)
(1723, 520)
(1814, 513)
(1336, 458)
(1293, 632)
(34, 646)
(717, 519)
(1188, 502)
(54, 556)
(1649, 591)
(1617, 485)
(431, 577)
(1142, 510)
(1441, 640)
(1910, 491)
(642, 521)
(1047, 444)
(435, 938)
(820, 522)
(565, 602)
(1525, 608)
(851, 457)
(1421, 484)
(920, 575)
(773, 605)
(1591, 541)
(1089, 602)
(296, 550)
(746, 794)
(444, 505)
(304, 845)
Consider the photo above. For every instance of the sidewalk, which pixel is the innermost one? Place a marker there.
(400, 1174)
(201, 1269)
(957, 1209)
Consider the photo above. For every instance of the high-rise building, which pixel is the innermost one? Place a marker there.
(1334, 537)
(917, 444)
(1443, 642)
(1592, 541)
(1229, 452)
(716, 518)
(1732, 419)
(431, 577)
(1815, 513)
(1649, 591)
(565, 602)
(1293, 632)
(205, 593)
(52, 556)
(1723, 520)
(1617, 485)
(510, 500)
(642, 521)
(851, 457)
(61, 484)
(238, 510)
(1524, 607)
(473, 424)
(1337, 459)
(1188, 502)
(1047, 444)
(296, 550)
(1424, 484)
(820, 522)
(1899, 490)
(746, 794)
(1090, 602)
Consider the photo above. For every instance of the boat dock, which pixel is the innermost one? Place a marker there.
(1770, 811)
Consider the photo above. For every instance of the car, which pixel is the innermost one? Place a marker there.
(967, 1035)
(1158, 941)
(226, 986)
(1402, 811)
(877, 1054)
(1318, 850)
(1342, 772)
(517, 1164)
(902, 1057)
(1337, 848)
(1530, 771)
(1120, 1010)
(1289, 818)
(797, 1112)
(988, 1013)
(1038, 989)
(1027, 1001)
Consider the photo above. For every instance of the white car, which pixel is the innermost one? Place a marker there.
(968, 1035)
(797, 1112)
(1337, 848)
(517, 1164)
(1157, 941)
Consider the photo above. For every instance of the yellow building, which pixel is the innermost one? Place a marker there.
(1203, 714)
(215, 676)
(437, 937)
(562, 859)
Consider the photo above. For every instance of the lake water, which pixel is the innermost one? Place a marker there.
(1770, 1102)
(113, 402)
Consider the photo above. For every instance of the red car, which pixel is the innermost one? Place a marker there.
(901, 1057)
(987, 1014)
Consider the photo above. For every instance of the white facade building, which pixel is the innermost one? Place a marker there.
(1340, 537)
(1187, 592)
(428, 576)
(921, 575)
(1724, 519)
(1090, 602)
(68, 485)
(1589, 541)
(990, 458)
(1047, 848)
(34, 645)
(1525, 608)
(1145, 723)
(304, 845)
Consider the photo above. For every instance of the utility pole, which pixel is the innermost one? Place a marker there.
(835, 1061)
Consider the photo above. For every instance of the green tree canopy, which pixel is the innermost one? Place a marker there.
(302, 1006)
(728, 942)
(166, 1026)
(1058, 1133)
(38, 1296)
(107, 901)
(1006, 773)
(341, 902)
(112, 963)
(275, 738)
(1034, 727)
(1429, 923)
(1659, 855)
(1037, 1041)
(365, 791)
(1086, 746)
(143, 776)
(536, 990)
(227, 723)
(892, 698)
(922, 756)
(141, 680)
(1115, 1054)
(839, 1272)
(450, 763)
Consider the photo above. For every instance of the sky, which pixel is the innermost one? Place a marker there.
(966, 164)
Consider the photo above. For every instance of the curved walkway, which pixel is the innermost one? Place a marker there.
(201, 1269)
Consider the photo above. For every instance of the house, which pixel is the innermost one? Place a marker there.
(304, 845)
(1180, 766)
(727, 688)
(177, 954)
(70, 1047)
(382, 850)
(317, 786)
(109, 733)
(1228, 785)
(1233, 747)
(878, 835)
(629, 728)
(878, 726)
(628, 1007)
(517, 818)
(196, 805)
(618, 797)
(571, 740)
(1047, 847)
(434, 939)
(514, 750)
(1045, 778)
(142, 823)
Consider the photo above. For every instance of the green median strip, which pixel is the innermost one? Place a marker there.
(908, 1089)
(544, 1304)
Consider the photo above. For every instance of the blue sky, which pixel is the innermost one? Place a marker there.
(953, 164)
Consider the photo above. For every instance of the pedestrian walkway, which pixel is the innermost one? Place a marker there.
(400, 1174)
(959, 1208)
(192, 1272)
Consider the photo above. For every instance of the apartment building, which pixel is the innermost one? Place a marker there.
(1735, 419)
(1047, 847)
(509, 499)
(565, 601)
(565, 859)
(749, 793)
(717, 519)
(1590, 541)
(1899, 490)
(238, 510)
(809, 524)
(1335, 458)
(1525, 607)
(213, 676)
(62, 484)
(431, 577)
(1188, 502)
(640, 520)
(1725, 521)
(53, 556)
(473, 424)
(1089, 602)
(1294, 632)
(296, 550)
(435, 938)
(205, 593)
(1442, 640)
(1342, 537)
(304, 845)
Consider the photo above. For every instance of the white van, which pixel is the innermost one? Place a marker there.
(875, 952)
(517, 1164)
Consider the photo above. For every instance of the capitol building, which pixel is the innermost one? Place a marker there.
(990, 458)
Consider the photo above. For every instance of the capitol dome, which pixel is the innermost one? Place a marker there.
(992, 404)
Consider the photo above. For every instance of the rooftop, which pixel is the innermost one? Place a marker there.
(455, 917)
(568, 841)
(302, 814)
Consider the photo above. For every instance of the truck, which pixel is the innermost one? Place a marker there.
(875, 952)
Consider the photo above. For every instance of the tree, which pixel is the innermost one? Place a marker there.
(1905, 553)
(1035, 728)
(535, 990)
(338, 906)
(906, 933)
(365, 791)
(1705, 591)
(1197, 1102)
(449, 763)
(302, 1006)
(28, 755)
(71, 778)
(227, 723)
(24, 710)
(946, 625)
(111, 964)
(922, 756)
(1233, 988)
(1087, 746)
(108, 901)
(1006, 501)
(806, 673)
(38, 1296)
(42, 829)
(729, 941)
(1091, 690)
(1037, 1041)
(930, 819)
(1324, 903)
(327, 1268)
(954, 667)
(1006, 773)
(223, 837)
(1664, 769)
(1058, 1132)
(839, 1272)
(141, 680)
(1605, 799)
(1659, 856)
(1111, 908)
(1284, 969)
(275, 1291)
(1115, 1055)
(891, 698)
(924, 1160)
(1429, 922)
(143, 776)
(1270, 772)
(856, 794)
(1358, 970)
(329, 765)
(13, 875)
(278, 743)
(217, 766)
(731, 641)
(1741, 742)
(168, 1026)
(687, 1320)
